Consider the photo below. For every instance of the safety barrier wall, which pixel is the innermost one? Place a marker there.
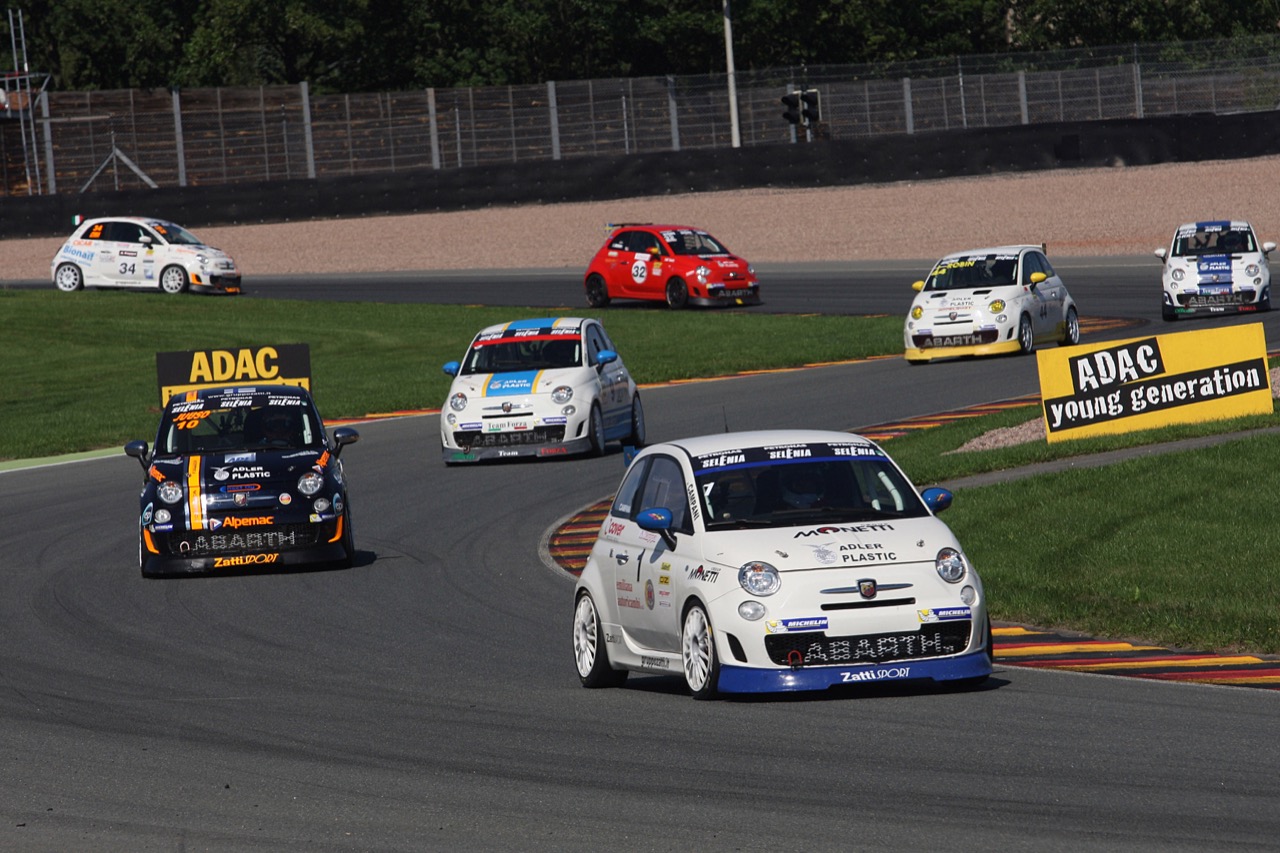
(921, 156)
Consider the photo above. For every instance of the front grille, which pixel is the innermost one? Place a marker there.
(537, 435)
(982, 336)
(203, 543)
(816, 649)
(1198, 300)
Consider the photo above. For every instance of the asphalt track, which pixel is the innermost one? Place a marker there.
(426, 699)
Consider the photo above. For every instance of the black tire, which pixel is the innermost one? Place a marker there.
(677, 293)
(1167, 314)
(595, 431)
(597, 291)
(590, 655)
(1071, 335)
(1026, 336)
(348, 540)
(698, 656)
(173, 279)
(638, 430)
(978, 681)
(68, 278)
(142, 559)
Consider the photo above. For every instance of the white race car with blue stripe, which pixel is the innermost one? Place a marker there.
(1215, 267)
(777, 560)
(541, 387)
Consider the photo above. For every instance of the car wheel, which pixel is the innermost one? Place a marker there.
(698, 654)
(348, 539)
(597, 291)
(589, 652)
(1071, 336)
(1264, 304)
(173, 280)
(677, 293)
(638, 431)
(1026, 337)
(68, 278)
(595, 431)
(1167, 314)
(977, 681)
(142, 560)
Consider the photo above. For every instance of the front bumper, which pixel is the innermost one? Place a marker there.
(727, 297)
(741, 679)
(932, 353)
(214, 284)
(263, 549)
(1243, 301)
(511, 451)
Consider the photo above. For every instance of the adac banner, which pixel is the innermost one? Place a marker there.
(282, 364)
(1147, 383)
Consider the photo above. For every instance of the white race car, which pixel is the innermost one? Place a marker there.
(777, 560)
(544, 387)
(988, 301)
(128, 251)
(1215, 268)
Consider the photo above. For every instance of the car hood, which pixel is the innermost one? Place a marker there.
(258, 477)
(520, 382)
(831, 545)
(1214, 268)
(961, 300)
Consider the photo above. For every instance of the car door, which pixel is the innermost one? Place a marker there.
(632, 270)
(645, 568)
(615, 397)
(123, 253)
(1040, 297)
(1055, 294)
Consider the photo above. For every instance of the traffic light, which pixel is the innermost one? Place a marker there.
(792, 102)
(812, 112)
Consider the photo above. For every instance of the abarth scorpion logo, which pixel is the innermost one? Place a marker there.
(867, 587)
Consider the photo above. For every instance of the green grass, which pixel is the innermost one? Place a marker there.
(1173, 550)
(79, 371)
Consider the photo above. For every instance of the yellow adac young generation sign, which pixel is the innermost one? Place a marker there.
(282, 364)
(1146, 383)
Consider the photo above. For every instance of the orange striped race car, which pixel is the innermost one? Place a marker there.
(242, 479)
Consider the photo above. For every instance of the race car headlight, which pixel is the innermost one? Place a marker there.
(163, 516)
(759, 578)
(950, 565)
(1251, 270)
(321, 505)
(996, 306)
(169, 492)
(1177, 275)
(751, 610)
(458, 402)
(310, 483)
(916, 312)
(202, 261)
(703, 273)
(562, 395)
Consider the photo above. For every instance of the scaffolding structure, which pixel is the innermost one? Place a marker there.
(20, 90)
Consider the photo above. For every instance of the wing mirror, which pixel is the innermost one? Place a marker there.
(138, 450)
(658, 520)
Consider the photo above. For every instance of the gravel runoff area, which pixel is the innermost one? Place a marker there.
(1118, 210)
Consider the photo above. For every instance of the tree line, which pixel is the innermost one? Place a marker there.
(390, 45)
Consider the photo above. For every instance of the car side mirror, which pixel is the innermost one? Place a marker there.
(605, 356)
(1268, 248)
(658, 520)
(145, 239)
(918, 286)
(936, 499)
(342, 436)
(138, 450)
(1160, 254)
(1037, 277)
(451, 368)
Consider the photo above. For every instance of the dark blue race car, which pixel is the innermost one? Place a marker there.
(242, 479)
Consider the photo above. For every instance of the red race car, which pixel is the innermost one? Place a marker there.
(673, 263)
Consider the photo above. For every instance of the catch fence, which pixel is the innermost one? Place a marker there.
(74, 142)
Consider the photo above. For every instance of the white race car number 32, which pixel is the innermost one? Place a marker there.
(639, 271)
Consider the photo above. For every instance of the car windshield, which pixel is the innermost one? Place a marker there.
(1213, 238)
(973, 271)
(266, 423)
(791, 485)
(688, 242)
(524, 349)
(176, 234)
